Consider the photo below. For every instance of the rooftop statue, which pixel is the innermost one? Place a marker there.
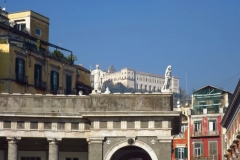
(168, 76)
(98, 75)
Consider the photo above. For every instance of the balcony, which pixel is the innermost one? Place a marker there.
(40, 84)
(213, 157)
(21, 78)
(54, 89)
(205, 133)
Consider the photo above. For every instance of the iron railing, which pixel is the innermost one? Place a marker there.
(40, 84)
(21, 78)
(213, 157)
(205, 133)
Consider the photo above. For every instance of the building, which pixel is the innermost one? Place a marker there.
(231, 121)
(94, 127)
(140, 81)
(206, 133)
(30, 64)
(180, 141)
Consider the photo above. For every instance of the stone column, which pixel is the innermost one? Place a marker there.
(53, 153)
(13, 148)
(95, 148)
(165, 151)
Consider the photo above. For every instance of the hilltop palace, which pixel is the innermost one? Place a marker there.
(141, 81)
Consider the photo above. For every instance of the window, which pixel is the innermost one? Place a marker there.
(184, 127)
(30, 158)
(20, 27)
(212, 147)
(181, 153)
(68, 84)
(198, 149)
(54, 81)
(38, 75)
(212, 125)
(197, 125)
(20, 125)
(38, 32)
(47, 125)
(6, 124)
(34, 125)
(61, 126)
(20, 69)
(74, 126)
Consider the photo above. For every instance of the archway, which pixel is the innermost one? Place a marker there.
(138, 147)
(131, 153)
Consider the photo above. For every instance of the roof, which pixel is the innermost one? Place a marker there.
(30, 12)
(209, 86)
(232, 107)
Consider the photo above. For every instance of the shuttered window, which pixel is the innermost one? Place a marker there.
(68, 84)
(181, 153)
(212, 125)
(20, 66)
(212, 146)
(20, 69)
(38, 74)
(197, 125)
(198, 149)
(54, 81)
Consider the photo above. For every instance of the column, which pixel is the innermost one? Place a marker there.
(13, 148)
(53, 152)
(165, 150)
(95, 148)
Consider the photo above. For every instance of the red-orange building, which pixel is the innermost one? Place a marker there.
(180, 146)
(206, 133)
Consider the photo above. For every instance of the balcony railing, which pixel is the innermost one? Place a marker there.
(205, 133)
(213, 157)
(21, 78)
(54, 89)
(40, 84)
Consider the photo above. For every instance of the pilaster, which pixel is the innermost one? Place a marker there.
(95, 148)
(13, 147)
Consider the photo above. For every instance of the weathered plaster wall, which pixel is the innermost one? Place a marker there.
(76, 104)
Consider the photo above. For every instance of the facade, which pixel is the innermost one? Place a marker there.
(206, 133)
(180, 141)
(140, 81)
(95, 127)
(27, 62)
(231, 121)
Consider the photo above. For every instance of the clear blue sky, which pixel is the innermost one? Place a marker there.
(199, 38)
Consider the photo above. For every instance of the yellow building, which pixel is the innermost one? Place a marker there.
(28, 66)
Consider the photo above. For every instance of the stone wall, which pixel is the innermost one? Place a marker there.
(75, 104)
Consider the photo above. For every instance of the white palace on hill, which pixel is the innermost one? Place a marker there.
(138, 80)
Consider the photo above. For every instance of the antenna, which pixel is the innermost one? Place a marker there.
(186, 84)
(5, 4)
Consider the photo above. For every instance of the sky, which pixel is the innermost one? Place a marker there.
(200, 39)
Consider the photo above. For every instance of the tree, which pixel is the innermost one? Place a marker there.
(58, 55)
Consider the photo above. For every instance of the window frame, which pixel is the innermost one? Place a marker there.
(40, 32)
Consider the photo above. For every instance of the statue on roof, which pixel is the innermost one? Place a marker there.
(168, 77)
(98, 75)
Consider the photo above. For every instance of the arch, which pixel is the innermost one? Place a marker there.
(137, 143)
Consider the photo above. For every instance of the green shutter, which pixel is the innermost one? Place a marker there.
(57, 80)
(51, 80)
(16, 65)
(176, 152)
(23, 68)
(185, 153)
(40, 73)
(35, 72)
(202, 151)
